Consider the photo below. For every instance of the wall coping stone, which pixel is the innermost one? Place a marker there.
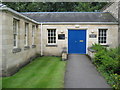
(33, 46)
(92, 50)
(26, 47)
(16, 50)
(51, 45)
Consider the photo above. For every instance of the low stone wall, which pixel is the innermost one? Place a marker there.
(91, 53)
(14, 69)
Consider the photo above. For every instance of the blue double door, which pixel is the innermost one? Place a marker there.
(77, 41)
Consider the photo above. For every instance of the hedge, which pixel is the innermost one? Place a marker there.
(107, 62)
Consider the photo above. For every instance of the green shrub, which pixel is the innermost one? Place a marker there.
(114, 80)
(115, 54)
(99, 55)
(98, 58)
(108, 63)
(98, 47)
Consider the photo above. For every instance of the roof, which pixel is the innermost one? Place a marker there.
(70, 16)
(5, 8)
(2, 5)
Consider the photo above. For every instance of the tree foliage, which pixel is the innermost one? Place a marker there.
(55, 6)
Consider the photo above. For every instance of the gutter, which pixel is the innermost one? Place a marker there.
(82, 23)
(15, 12)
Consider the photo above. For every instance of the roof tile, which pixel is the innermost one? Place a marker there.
(70, 16)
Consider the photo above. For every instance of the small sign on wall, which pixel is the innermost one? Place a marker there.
(61, 36)
(92, 36)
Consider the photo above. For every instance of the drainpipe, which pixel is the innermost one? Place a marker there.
(41, 39)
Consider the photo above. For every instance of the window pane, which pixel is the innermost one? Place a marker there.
(26, 33)
(52, 34)
(48, 41)
(52, 38)
(104, 41)
(51, 41)
(14, 36)
(15, 31)
(14, 43)
(48, 34)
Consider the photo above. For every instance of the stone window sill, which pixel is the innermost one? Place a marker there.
(26, 47)
(16, 50)
(51, 45)
(33, 46)
(106, 45)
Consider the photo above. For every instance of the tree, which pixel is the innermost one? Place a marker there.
(55, 6)
(90, 6)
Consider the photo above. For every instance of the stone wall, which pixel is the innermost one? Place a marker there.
(113, 9)
(112, 37)
(12, 61)
(0, 43)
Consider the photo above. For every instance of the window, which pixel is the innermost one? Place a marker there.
(102, 36)
(33, 34)
(15, 32)
(51, 36)
(26, 34)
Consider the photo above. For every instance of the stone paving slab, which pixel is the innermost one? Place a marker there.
(81, 73)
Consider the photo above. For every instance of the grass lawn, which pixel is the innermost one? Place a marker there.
(0, 83)
(44, 72)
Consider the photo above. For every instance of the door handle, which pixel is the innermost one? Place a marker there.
(81, 40)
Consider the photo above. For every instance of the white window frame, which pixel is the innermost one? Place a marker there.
(102, 36)
(26, 42)
(15, 32)
(33, 34)
(53, 36)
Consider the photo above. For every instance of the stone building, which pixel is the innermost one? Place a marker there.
(24, 35)
(114, 9)
(20, 40)
(93, 24)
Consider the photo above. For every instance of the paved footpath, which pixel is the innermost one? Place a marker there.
(81, 73)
